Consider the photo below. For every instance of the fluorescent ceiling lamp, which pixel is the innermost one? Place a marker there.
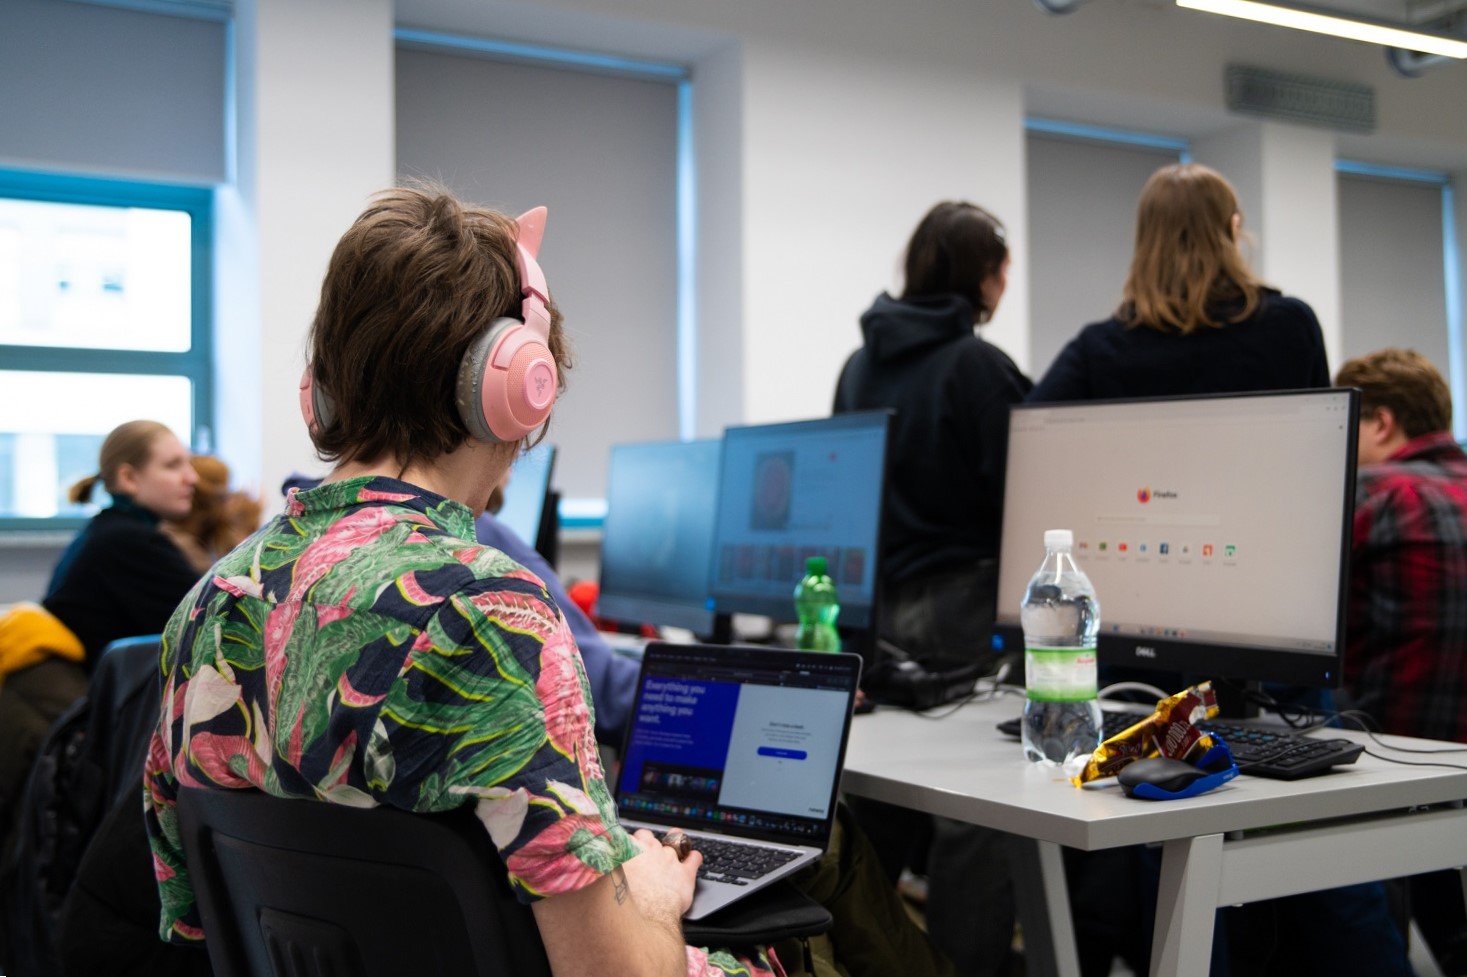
(1306, 19)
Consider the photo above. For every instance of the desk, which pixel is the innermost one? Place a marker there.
(1251, 839)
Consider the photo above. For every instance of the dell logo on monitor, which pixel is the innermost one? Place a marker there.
(1145, 651)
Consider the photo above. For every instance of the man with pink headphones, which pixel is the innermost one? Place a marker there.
(381, 652)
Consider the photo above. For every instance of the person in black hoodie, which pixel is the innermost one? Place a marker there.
(951, 392)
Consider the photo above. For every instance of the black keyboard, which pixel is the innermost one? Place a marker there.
(737, 861)
(1265, 752)
(1259, 751)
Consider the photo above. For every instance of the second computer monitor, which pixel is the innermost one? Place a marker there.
(1216, 529)
(792, 491)
(658, 534)
(526, 492)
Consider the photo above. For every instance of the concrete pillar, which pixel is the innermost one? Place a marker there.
(314, 136)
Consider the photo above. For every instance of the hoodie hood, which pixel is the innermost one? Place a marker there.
(893, 328)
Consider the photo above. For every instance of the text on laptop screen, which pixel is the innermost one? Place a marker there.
(738, 749)
(1215, 529)
(657, 540)
(792, 491)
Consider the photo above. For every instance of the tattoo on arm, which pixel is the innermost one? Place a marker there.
(619, 885)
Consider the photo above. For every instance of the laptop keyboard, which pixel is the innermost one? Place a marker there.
(1259, 751)
(737, 862)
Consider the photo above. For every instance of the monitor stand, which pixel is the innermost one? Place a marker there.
(722, 633)
(1237, 700)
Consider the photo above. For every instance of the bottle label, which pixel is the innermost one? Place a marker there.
(1059, 674)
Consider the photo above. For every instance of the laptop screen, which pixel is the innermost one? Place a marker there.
(743, 741)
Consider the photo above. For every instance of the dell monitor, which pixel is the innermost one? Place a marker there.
(525, 495)
(1216, 530)
(796, 490)
(658, 534)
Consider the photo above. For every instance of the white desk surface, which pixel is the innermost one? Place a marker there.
(1369, 820)
(962, 767)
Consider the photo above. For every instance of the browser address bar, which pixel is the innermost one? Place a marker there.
(1155, 519)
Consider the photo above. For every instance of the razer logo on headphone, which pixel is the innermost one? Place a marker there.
(540, 385)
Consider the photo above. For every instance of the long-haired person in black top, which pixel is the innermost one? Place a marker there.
(1193, 316)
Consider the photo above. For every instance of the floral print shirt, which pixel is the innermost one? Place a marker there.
(361, 650)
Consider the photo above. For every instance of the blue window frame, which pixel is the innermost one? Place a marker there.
(105, 315)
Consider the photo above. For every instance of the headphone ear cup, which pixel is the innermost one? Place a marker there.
(506, 383)
(315, 405)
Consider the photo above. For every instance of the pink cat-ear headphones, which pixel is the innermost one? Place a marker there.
(507, 380)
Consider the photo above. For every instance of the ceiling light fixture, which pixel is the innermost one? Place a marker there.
(1321, 22)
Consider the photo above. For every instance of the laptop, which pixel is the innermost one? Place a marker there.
(742, 749)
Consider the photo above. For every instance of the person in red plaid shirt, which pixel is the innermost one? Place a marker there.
(1406, 654)
(1406, 639)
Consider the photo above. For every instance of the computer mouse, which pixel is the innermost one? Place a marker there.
(1158, 775)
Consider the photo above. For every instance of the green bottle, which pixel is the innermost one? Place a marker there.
(817, 606)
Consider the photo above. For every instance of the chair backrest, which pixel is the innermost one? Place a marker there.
(91, 759)
(301, 888)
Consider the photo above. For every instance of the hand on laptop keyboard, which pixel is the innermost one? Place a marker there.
(738, 861)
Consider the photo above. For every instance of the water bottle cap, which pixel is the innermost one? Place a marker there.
(815, 566)
(1059, 539)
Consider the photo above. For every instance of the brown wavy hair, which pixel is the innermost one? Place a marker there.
(1187, 271)
(218, 520)
(1404, 381)
(410, 285)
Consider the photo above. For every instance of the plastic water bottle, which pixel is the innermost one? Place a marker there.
(817, 606)
(1061, 618)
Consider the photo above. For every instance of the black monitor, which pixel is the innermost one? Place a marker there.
(526, 495)
(791, 491)
(658, 534)
(1216, 529)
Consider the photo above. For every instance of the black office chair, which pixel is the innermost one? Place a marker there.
(301, 888)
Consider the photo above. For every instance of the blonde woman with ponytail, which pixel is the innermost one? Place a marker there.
(120, 577)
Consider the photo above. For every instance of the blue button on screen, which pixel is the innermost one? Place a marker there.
(775, 751)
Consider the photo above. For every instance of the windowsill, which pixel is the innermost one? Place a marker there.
(35, 539)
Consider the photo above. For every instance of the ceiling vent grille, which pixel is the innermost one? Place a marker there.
(1297, 98)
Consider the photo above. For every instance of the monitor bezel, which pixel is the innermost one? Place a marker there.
(1220, 659)
(854, 617)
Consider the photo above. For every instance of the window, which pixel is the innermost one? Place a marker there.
(104, 318)
(1400, 269)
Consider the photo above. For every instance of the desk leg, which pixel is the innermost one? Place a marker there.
(1186, 904)
(1043, 904)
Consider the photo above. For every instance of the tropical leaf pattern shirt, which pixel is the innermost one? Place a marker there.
(361, 650)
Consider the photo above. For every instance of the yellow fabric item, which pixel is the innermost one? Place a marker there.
(29, 634)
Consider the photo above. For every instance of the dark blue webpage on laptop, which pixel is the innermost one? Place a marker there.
(747, 742)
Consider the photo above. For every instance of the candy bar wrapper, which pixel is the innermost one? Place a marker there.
(1169, 731)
